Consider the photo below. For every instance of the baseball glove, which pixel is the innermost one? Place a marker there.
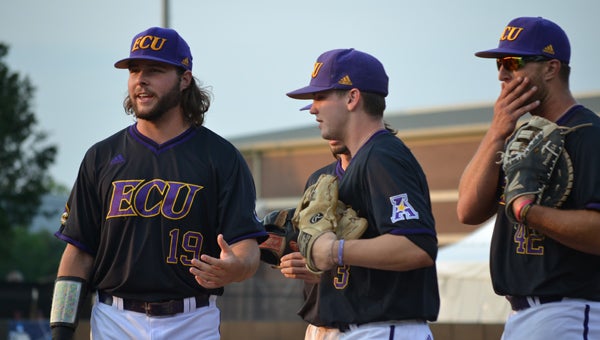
(282, 236)
(349, 225)
(316, 215)
(535, 163)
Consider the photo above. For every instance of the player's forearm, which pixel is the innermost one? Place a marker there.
(386, 252)
(75, 262)
(577, 229)
(477, 199)
(248, 254)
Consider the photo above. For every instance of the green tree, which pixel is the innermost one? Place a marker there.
(33, 254)
(24, 155)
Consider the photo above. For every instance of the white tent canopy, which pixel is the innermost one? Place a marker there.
(464, 280)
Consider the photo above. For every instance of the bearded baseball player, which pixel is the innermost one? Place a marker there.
(293, 265)
(162, 214)
(542, 181)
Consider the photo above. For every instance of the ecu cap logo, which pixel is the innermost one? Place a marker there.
(148, 42)
(316, 69)
(510, 33)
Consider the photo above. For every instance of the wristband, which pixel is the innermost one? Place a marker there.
(341, 252)
(67, 300)
(519, 213)
(524, 211)
(62, 333)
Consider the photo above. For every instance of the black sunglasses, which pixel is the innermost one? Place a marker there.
(515, 63)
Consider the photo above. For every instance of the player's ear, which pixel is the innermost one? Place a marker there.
(185, 80)
(353, 96)
(552, 68)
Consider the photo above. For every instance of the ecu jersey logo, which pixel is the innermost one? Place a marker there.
(173, 200)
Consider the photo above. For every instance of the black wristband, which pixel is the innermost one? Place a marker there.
(62, 333)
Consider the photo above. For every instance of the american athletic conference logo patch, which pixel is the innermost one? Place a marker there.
(402, 209)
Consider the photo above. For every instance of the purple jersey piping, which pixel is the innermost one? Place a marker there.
(568, 114)
(69, 240)
(159, 148)
(339, 171)
(412, 231)
(258, 235)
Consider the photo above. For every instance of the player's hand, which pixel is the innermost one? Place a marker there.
(515, 100)
(212, 272)
(322, 251)
(293, 266)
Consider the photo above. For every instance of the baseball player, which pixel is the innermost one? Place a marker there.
(545, 260)
(162, 214)
(293, 265)
(383, 285)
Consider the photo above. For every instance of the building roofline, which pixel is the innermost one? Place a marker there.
(464, 119)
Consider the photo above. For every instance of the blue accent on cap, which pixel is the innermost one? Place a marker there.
(307, 107)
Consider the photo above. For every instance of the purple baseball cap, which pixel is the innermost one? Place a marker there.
(531, 36)
(345, 69)
(159, 44)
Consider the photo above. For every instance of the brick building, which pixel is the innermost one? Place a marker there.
(443, 141)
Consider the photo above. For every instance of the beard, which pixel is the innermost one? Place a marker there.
(339, 149)
(541, 94)
(170, 100)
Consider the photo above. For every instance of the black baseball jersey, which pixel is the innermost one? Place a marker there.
(385, 184)
(144, 210)
(527, 263)
(334, 168)
(309, 309)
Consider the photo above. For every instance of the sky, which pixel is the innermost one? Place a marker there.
(250, 53)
